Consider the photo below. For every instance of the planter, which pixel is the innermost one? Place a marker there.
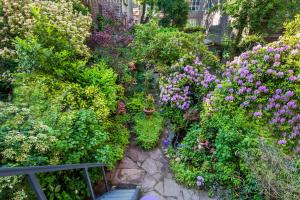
(149, 112)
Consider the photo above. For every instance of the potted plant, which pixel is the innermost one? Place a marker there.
(149, 105)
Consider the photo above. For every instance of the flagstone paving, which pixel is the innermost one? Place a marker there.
(150, 171)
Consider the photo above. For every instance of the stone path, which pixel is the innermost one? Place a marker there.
(150, 171)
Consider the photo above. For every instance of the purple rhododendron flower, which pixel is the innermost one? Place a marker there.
(266, 57)
(276, 63)
(229, 98)
(292, 78)
(282, 142)
(257, 114)
(278, 91)
(277, 56)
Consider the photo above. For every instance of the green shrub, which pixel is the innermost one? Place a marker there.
(136, 104)
(17, 20)
(148, 129)
(249, 41)
(276, 173)
(162, 47)
(213, 152)
(193, 29)
(55, 122)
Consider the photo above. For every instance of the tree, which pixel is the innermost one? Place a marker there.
(144, 3)
(175, 12)
(262, 17)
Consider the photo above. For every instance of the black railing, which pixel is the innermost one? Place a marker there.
(31, 172)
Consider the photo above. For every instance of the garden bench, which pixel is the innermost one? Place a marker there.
(30, 172)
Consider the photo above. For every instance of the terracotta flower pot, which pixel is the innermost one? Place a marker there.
(149, 112)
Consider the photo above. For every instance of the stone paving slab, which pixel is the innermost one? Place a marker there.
(150, 171)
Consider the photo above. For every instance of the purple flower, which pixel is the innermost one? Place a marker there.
(219, 86)
(281, 142)
(276, 63)
(292, 78)
(200, 181)
(263, 89)
(292, 104)
(278, 91)
(231, 90)
(280, 74)
(289, 93)
(244, 56)
(166, 143)
(258, 83)
(229, 98)
(277, 56)
(257, 114)
(266, 57)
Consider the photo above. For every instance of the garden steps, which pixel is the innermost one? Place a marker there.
(120, 194)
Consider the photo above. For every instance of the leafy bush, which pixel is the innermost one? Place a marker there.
(293, 28)
(55, 122)
(148, 129)
(212, 154)
(249, 41)
(17, 20)
(193, 29)
(276, 173)
(162, 47)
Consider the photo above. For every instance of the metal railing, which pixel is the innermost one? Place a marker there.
(31, 172)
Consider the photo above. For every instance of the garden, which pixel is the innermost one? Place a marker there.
(77, 89)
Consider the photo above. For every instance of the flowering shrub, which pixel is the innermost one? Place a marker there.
(264, 81)
(188, 83)
(17, 19)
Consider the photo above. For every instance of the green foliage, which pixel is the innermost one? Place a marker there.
(162, 47)
(249, 41)
(293, 27)
(18, 19)
(175, 12)
(136, 103)
(148, 129)
(48, 51)
(104, 78)
(55, 122)
(193, 29)
(213, 150)
(261, 16)
(276, 173)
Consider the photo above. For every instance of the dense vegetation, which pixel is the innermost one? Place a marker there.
(74, 88)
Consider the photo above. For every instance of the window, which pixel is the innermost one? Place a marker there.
(195, 5)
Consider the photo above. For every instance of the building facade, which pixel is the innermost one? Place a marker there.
(121, 7)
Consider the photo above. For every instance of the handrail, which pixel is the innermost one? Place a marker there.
(33, 180)
(13, 171)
